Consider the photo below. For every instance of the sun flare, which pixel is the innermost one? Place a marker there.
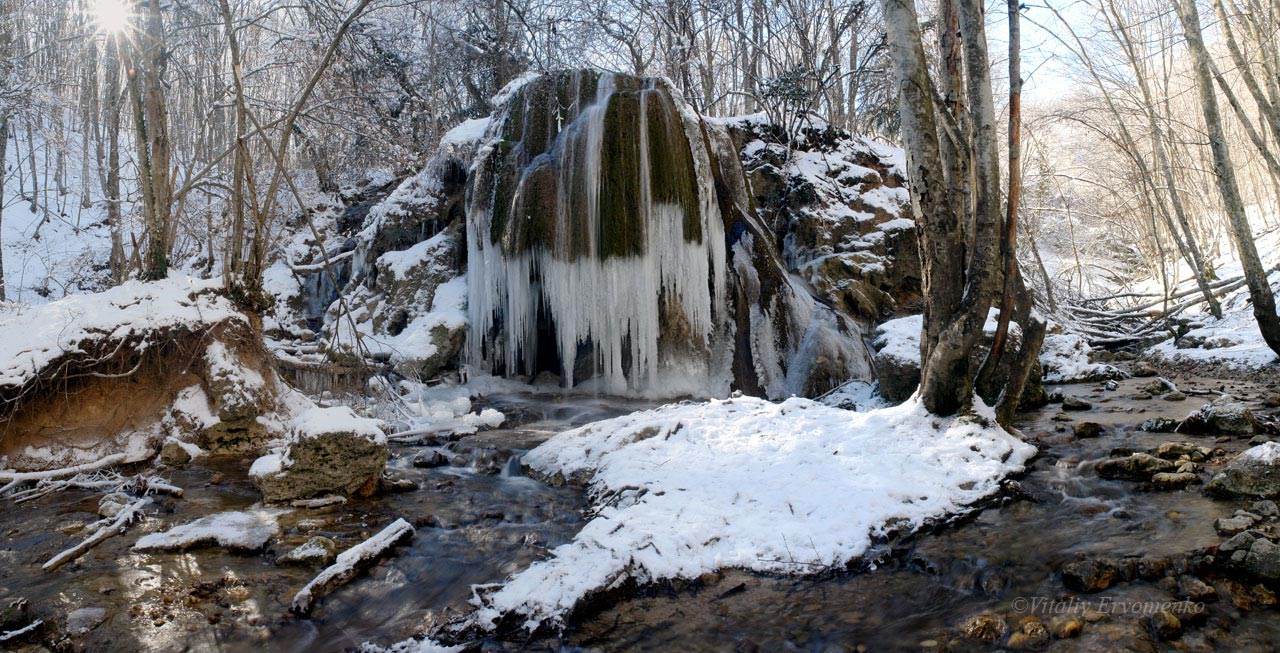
(112, 15)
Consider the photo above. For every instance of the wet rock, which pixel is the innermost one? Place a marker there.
(329, 451)
(1136, 467)
(985, 627)
(1176, 450)
(1111, 386)
(1259, 439)
(1222, 415)
(110, 505)
(1072, 402)
(430, 460)
(1176, 395)
(14, 614)
(394, 484)
(174, 454)
(317, 551)
(1156, 387)
(84, 620)
(1030, 635)
(1263, 559)
(1254, 473)
(1194, 589)
(1232, 525)
(1086, 429)
(1265, 508)
(1159, 425)
(1062, 417)
(1090, 575)
(1140, 395)
(1164, 625)
(1144, 368)
(1067, 628)
(1174, 480)
(1272, 400)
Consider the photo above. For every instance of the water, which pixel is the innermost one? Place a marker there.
(477, 527)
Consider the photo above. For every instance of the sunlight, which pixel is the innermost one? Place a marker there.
(112, 15)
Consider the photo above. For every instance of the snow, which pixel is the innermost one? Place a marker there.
(900, 338)
(469, 131)
(792, 488)
(443, 411)
(267, 465)
(1267, 453)
(346, 562)
(33, 337)
(319, 421)
(1065, 359)
(192, 403)
(247, 530)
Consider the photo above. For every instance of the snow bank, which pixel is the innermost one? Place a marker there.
(247, 530)
(796, 488)
(1065, 359)
(33, 337)
(1267, 452)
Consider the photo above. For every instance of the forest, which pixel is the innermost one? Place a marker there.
(426, 326)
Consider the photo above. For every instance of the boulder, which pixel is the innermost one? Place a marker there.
(1223, 415)
(1072, 402)
(1135, 467)
(1263, 559)
(1086, 429)
(318, 551)
(1254, 473)
(1144, 368)
(328, 451)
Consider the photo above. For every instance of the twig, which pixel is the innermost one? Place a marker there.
(103, 533)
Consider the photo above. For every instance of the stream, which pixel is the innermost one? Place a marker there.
(478, 520)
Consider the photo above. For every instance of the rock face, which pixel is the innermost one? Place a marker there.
(328, 451)
(611, 240)
(1254, 473)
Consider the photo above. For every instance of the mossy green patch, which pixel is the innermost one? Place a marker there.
(671, 172)
(621, 229)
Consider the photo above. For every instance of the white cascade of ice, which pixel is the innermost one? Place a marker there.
(614, 303)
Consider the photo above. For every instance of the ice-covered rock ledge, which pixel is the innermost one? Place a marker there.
(794, 487)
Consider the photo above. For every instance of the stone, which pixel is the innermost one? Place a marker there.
(1067, 628)
(1144, 368)
(1272, 400)
(1062, 417)
(1194, 589)
(428, 460)
(395, 484)
(1136, 467)
(1072, 402)
(83, 620)
(1232, 525)
(1156, 387)
(1089, 575)
(1222, 415)
(14, 614)
(318, 551)
(110, 505)
(1164, 625)
(1030, 635)
(1253, 473)
(1265, 508)
(1086, 429)
(1176, 395)
(173, 454)
(1177, 450)
(328, 451)
(1174, 480)
(1263, 559)
(985, 627)
(1159, 425)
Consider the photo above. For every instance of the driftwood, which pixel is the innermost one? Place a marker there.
(16, 478)
(108, 482)
(105, 530)
(25, 630)
(350, 563)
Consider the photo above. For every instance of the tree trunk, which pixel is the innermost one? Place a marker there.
(1264, 304)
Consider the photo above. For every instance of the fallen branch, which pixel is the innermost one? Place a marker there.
(349, 563)
(16, 478)
(104, 532)
(25, 630)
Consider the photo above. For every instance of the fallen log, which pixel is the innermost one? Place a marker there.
(118, 525)
(350, 563)
(15, 478)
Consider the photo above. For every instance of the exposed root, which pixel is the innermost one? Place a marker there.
(17, 478)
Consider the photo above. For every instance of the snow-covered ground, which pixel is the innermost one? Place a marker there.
(795, 487)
